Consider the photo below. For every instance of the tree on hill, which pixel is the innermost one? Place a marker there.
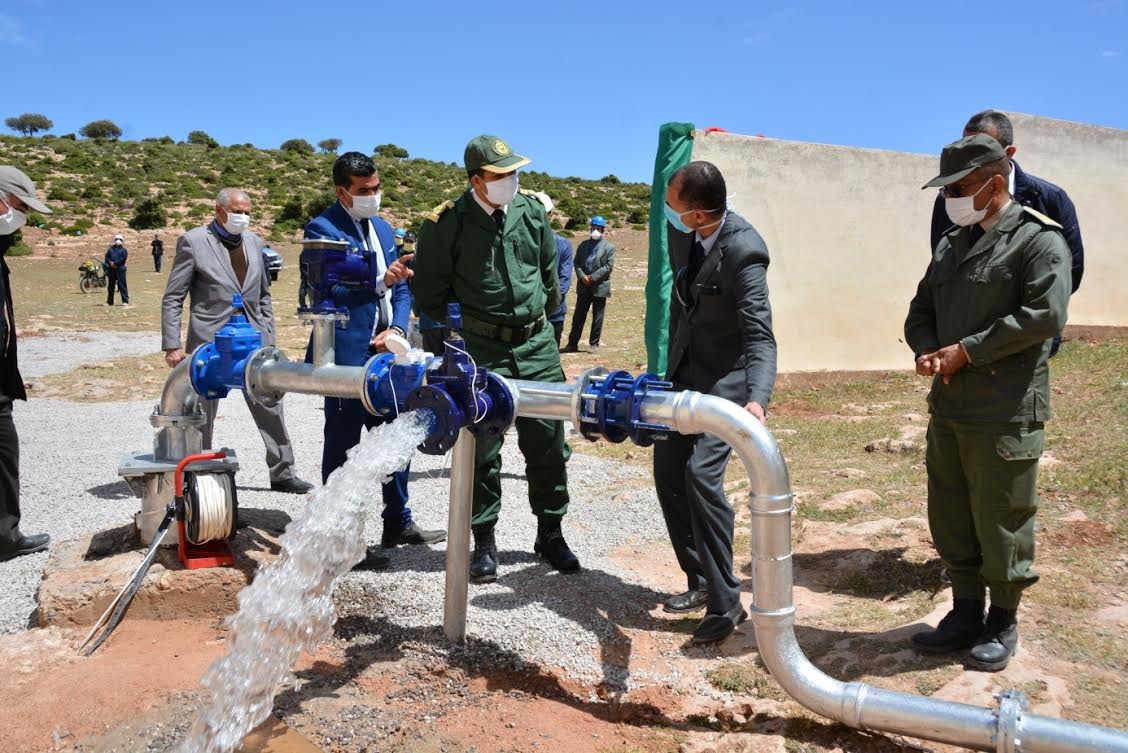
(391, 151)
(202, 138)
(148, 214)
(301, 146)
(29, 123)
(100, 130)
(329, 146)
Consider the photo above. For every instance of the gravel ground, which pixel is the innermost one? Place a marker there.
(532, 615)
(56, 353)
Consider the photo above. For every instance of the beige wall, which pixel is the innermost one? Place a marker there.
(848, 229)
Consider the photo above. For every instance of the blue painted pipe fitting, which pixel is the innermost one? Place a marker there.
(218, 366)
(389, 384)
(611, 408)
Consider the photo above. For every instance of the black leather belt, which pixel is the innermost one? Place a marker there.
(513, 335)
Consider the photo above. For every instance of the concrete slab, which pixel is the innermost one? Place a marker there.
(84, 575)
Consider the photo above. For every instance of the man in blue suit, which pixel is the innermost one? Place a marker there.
(373, 316)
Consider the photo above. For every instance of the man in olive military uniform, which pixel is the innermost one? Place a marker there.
(982, 324)
(492, 250)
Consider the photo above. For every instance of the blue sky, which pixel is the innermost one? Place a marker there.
(579, 87)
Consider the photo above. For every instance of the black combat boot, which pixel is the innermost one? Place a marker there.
(483, 568)
(994, 649)
(959, 629)
(551, 545)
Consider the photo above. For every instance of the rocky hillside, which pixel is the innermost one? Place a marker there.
(97, 188)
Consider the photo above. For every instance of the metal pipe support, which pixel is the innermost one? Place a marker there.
(458, 536)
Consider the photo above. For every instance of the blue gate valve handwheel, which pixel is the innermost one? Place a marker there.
(218, 366)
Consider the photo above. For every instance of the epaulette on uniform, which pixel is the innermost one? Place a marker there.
(1041, 218)
(435, 213)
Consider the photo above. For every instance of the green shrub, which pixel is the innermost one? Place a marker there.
(299, 146)
(101, 130)
(201, 138)
(391, 151)
(329, 146)
(148, 214)
(29, 123)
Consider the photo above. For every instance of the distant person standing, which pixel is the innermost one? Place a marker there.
(116, 256)
(563, 270)
(213, 263)
(595, 259)
(17, 198)
(158, 253)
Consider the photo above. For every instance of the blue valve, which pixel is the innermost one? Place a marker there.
(611, 408)
(218, 366)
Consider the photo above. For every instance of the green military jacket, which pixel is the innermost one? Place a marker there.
(507, 278)
(1004, 296)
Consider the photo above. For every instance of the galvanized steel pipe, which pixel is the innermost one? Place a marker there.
(458, 536)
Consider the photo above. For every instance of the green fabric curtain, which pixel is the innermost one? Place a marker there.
(675, 146)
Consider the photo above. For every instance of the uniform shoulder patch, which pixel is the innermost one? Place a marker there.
(437, 212)
(1041, 217)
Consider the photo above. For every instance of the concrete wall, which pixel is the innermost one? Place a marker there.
(848, 229)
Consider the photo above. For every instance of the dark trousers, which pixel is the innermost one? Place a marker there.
(558, 329)
(344, 421)
(116, 278)
(433, 340)
(584, 301)
(9, 475)
(157, 262)
(982, 498)
(689, 475)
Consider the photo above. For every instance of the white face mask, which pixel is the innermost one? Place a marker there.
(500, 192)
(12, 221)
(366, 207)
(962, 211)
(237, 223)
(596, 234)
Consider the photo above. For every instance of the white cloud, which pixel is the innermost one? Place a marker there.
(1109, 54)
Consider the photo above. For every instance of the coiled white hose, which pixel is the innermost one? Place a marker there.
(214, 503)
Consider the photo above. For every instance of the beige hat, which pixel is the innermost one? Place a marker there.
(14, 182)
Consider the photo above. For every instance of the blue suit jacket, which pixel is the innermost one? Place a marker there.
(352, 341)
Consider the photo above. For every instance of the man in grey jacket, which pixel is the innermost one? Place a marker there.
(594, 262)
(213, 263)
(721, 344)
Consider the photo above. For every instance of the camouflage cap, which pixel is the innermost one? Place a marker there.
(492, 154)
(961, 157)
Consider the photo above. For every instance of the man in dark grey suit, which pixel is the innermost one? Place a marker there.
(213, 263)
(721, 344)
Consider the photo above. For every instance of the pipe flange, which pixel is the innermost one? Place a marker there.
(1012, 703)
(159, 420)
(252, 375)
(582, 383)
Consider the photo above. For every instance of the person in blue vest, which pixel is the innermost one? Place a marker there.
(116, 256)
(373, 316)
(563, 270)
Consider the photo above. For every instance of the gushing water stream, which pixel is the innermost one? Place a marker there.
(288, 608)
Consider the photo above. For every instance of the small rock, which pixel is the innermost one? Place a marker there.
(1076, 516)
(915, 418)
(894, 446)
(848, 473)
(851, 500)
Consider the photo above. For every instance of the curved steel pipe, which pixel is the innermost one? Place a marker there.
(178, 397)
(855, 704)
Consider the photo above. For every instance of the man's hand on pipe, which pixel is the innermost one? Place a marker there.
(174, 356)
(758, 411)
(378, 342)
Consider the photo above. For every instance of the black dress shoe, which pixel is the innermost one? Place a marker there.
(24, 545)
(690, 601)
(292, 485)
(483, 567)
(717, 627)
(412, 534)
(551, 545)
(994, 649)
(373, 560)
(959, 629)
(569, 348)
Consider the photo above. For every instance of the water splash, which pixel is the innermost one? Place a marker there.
(288, 608)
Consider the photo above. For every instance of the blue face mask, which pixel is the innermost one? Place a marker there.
(675, 219)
